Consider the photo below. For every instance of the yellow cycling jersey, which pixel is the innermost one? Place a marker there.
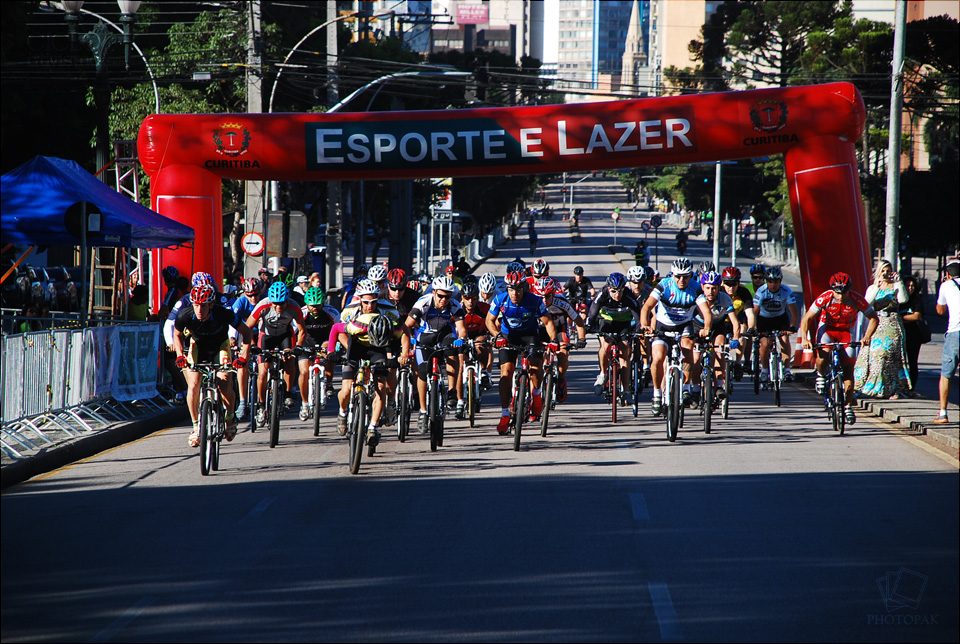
(357, 327)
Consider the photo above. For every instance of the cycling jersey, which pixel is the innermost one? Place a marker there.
(405, 303)
(357, 327)
(476, 322)
(353, 309)
(186, 302)
(578, 291)
(742, 298)
(209, 338)
(561, 310)
(433, 323)
(772, 304)
(675, 306)
(611, 310)
(522, 317)
(317, 327)
(842, 314)
(719, 308)
(242, 308)
(276, 324)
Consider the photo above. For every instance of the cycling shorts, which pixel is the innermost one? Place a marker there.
(424, 355)
(208, 354)
(779, 323)
(826, 334)
(271, 342)
(509, 356)
(357, 351)
(685, 330)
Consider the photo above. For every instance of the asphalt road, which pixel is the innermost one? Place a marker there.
(771, 528)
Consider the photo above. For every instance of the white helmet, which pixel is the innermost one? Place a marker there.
(635, 273)
(367, 286)
(488, 283)
(682, 266)
(444, 283)
(377, 273)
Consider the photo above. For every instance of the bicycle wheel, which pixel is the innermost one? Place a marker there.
(727, 390)
(707, 391)
(839, 403)
(208, 420)
(357, 431)
(614, 370)
(637, 385)
(755, 359)
(403, 407)
(317, 383)
(547, 398)
(433, 411)
(519, 410)
(252, 396)
(775, 370)
(472, 398)
(276, 404)
(674, 406)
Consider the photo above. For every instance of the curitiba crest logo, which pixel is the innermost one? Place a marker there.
(768, 115)
(228, 139)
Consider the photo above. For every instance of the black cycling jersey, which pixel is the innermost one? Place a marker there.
(608, 308)
(208, 334)
(578, 291)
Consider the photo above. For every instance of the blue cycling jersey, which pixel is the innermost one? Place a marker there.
(523, 317)
(675, 305)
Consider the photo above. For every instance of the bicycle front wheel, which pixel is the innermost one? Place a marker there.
(252, 396)
(357, 431)
(403, 408)
(775, 369)
(433, 411)
(208, 423)
(519, 410)
(317, 383)
(472, 398)
(613, 380)
(674, 405)
(839, 403)
(637, 385)
(547, 401)
(707, 407)
(727, 390)
(276, 404)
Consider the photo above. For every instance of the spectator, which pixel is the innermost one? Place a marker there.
(914, 326)
(948, 303)
(882, 370)
(137, 308)
(30, 313)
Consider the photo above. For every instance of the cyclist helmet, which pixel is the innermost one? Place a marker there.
(470, 278)
(377, 273)
(252, 286)
(707, 267)
(314, 296)
(199, 279)
(635, 274)
(170, 273)
(470, 289)
(397, 277)
(681, 266)
(520, 261)
(840, 282)
(367, 286)
(288, 279)
(444, 283)
(515, 267)
(380, 330)
(201, 293)
(731, 274)
(543, 286)
(710, 277)
(414, 284)
(758, 269)
(450, 270)
(616, 280)
(488, 283)
(773, 273)
(278, 293)
(540, 267)
(516, 279)
(648, 273)
(578, 270)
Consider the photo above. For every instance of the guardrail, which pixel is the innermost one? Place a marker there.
(72, 381)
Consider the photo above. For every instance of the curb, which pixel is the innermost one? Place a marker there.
(56, 456)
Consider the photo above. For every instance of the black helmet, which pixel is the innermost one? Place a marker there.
(470, 289)
(578, 270)
(380, 331)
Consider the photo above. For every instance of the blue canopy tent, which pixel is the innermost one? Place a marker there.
(44, 201)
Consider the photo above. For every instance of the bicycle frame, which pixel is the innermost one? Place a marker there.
(358, 412)
(437, 396)
(211, 430)
(674, 383)
(835, 396)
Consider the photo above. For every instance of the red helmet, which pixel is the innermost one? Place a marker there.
(544, 286)
(252, 286)
(840, 281)
(540, 267)
(397, 277)
(516, 278)
(451, 268)
(731, 274)
(201, 294)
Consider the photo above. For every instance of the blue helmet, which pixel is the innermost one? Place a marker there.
(200, 279)
(616, 280)
(710, 277)
(278, 293)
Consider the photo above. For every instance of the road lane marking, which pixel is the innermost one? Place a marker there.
(121, 622)
(639, 506)
(666, 614)
(258, 509)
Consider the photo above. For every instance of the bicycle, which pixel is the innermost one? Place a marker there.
(276, 389)
(551, 373)
(727, 379)
(317, 380)
(674, 380)
(776, 363)
(613, 391)
(522, 400)
(708, 387)
(834, 396)
(359, 411)
(406, 398)
(471, 380)
(641, 372)
(211, 415)
(437, 395)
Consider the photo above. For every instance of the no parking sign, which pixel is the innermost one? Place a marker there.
(645, 226)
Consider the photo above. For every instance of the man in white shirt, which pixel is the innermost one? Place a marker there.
(948, 303)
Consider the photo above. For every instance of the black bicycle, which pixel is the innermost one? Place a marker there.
(211, 416)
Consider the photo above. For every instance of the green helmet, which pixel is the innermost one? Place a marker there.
(314, 296)
(289, 280)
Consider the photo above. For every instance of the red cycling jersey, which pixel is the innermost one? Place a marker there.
(475, 322)
(840, 315)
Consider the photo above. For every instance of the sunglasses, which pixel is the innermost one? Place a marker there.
(368, 301)
(443, 296)
(396, 287)
(774, 281)
(730, 283)
(616, 290)
(756, 277)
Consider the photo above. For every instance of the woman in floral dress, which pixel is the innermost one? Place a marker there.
(883, 371)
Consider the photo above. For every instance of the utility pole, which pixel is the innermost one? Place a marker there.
(334, 240)
(891, 245)
(254, 219)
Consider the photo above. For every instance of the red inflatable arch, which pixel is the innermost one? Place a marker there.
(815, 127)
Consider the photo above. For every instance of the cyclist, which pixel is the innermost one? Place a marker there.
(635, 282)
(350, 287)
(743, 307)
(206, 322)
(317, 322)
(488, 287)
(436, 322)
(369, 336)
(275, 315)
(725, 323)
(199, 279)
(757, 271)
(378, 274)
(242, 308)
(538, 269)
(675, 301)
(451, 272)
(562, 313)
(616, 309)
(775, 307)
(579, 288)
(399, 294)
(836, 311)
(474, 321)
(514, 319)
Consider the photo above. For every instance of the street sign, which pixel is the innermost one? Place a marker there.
(252, 244)
(656, 220)
(616, 216)
(645, 226)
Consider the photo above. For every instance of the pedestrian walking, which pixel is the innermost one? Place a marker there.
(948, 303)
